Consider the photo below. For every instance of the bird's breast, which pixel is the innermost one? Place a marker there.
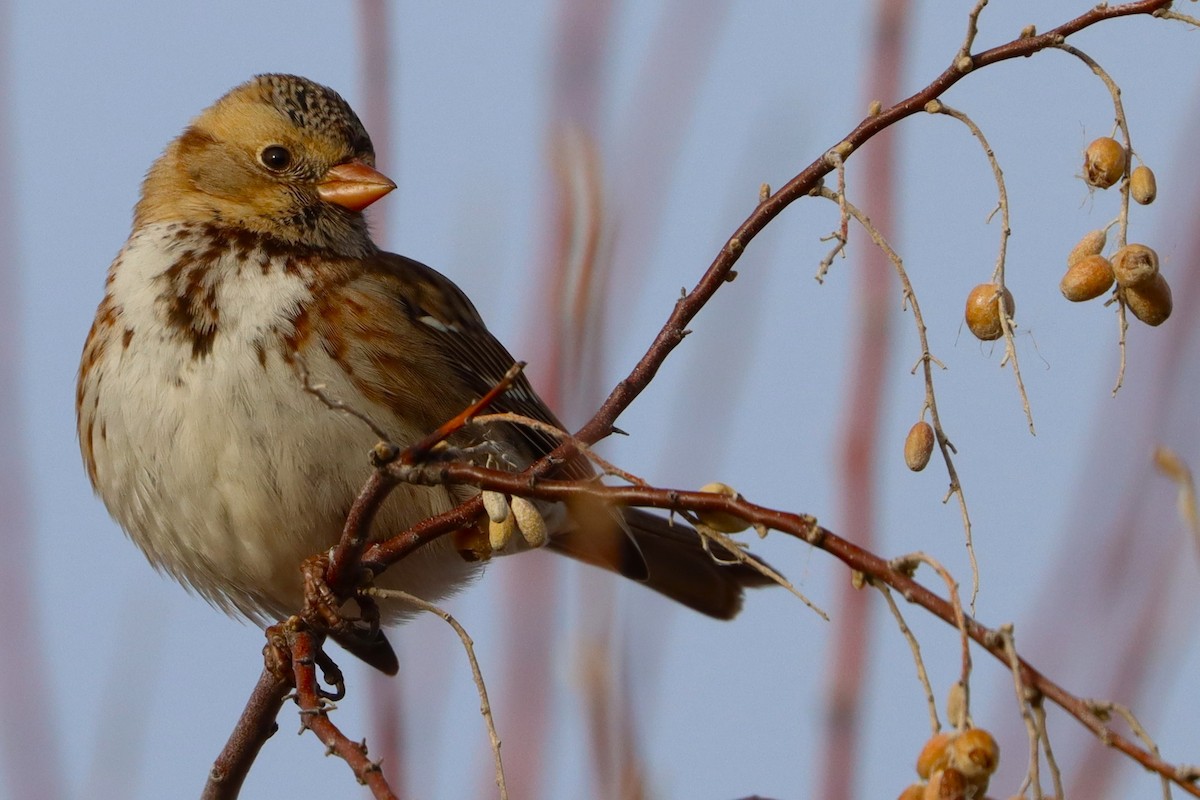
(206, 444)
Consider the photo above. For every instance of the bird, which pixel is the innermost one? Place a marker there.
(250, 275)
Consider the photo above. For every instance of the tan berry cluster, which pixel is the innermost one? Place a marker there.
(955, 765)
(1134, 267)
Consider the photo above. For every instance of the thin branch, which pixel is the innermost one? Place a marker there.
(915, 647)
(485, 707)
(1006, 323)
(802, 527)
(254, 727)
(314, 716)
(964, 50)
(926, 364)
(808, 180)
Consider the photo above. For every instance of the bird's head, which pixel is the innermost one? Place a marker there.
(280, 156)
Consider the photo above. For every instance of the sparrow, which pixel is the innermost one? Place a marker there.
(249, 265)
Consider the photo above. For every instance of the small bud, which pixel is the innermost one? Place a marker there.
(1134, 264)
(719, 520)
(983, 311)
(1090, 245)
(918, 446)
(529, 521)
(956, 704)
(495, 505)
(1086, 279)
(935, 755)
(1103, 162)
(1142, 185)
(1150, 301)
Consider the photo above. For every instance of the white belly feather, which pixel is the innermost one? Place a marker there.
(220, 467)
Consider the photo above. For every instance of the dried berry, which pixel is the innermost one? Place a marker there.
(1090, 245)
(1087, 278)
(1150, 301)
(983, 311)
(918, 446)
(947, 784)
(719, 520)
(975, 754)
(1134, 264)
(935, 755)
(1103, 162)
(1142, 185)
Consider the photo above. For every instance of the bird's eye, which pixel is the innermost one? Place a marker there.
(275, 157)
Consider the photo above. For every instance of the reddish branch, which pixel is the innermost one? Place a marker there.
(256, 725)
(804, 528)
(689, 306)
(305, 650)
(352, 552)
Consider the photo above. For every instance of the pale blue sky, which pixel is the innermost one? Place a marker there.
(97, 90)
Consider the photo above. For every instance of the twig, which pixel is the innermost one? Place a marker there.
(341, 575)
(964, 51)
(805, 183)
(926, 364)
(842, 234)
(1167, 13)
(1024, 695)
(606, 466)
(907, 563)
(485, 708)
(314, 715)
(1006, 323)
(799, 526)
(915, 647)
(254, 727)
(332, 403)
(1039, 716)
(1106, 708)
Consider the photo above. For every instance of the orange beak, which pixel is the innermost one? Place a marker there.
(353, 185)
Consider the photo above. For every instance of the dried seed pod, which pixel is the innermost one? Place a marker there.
(1086, 279)
(975, 754)
(947, 784)
(957, 704)
(1090, 245)
(719, 520)
(501, 533)
(1103, 162)
(1150, 301)
(983, 311)
(1134, 264)
(935, 755)
(495, 504)
(918, 446)
(529, 521)
(1142, 186)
